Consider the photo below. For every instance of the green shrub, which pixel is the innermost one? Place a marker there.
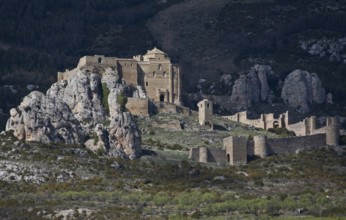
(105, 94)
(281, 131)
(342, 140)
(122, 100)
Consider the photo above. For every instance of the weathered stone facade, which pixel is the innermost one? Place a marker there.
(153, 71)
(205, 113)
(267, 121)
(236, 149)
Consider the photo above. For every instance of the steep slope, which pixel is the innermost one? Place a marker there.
(75, 110)
(211, 39)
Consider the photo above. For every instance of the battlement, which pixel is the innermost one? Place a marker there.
(237, 149)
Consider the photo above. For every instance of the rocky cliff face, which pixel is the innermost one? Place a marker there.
(76, 109)
(301, 89)
(251, 88)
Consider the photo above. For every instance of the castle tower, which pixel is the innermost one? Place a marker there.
(260, 146)
(236, 150)
(205, 113)
(203, 155)
(332, 131)
(312, 125)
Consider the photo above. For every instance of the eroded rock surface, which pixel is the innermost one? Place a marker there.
(75, 109)
(251, 88)
(301, 89)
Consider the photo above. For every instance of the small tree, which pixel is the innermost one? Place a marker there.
(105, 94)
(122, 100)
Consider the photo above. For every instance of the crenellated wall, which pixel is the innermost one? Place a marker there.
(294, 144)
(236, 149)
(266, 121)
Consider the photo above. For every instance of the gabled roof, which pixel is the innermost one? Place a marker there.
(155, 51)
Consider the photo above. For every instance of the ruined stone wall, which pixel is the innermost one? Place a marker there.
(322, 130)
(266, 121)
(166, 107)
(217, 156)
(250, 145)
(66, 75)
(298, 128)
(97, 59)
(127, 69)
(138, 106)
(209, 155)
(194, 154)
(236, 150)
(293, 144)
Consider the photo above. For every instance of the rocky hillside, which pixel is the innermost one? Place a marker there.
(47, 181)
(84, 109)
(227, 37)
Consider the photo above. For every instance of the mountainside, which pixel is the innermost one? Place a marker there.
(208, 39)
(225, 37)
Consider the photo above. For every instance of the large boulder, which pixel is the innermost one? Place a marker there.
(251, 88)
(301, 89)
(75, 109)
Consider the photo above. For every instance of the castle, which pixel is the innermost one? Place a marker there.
(236, 150)
(153, 71)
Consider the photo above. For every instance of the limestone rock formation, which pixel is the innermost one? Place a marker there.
(75, 109)
(301, 89)
(251, 88)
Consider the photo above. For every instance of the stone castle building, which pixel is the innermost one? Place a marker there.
(205, 113)
(235, 150)
(153, 71)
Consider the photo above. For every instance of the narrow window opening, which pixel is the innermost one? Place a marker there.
(162, 98)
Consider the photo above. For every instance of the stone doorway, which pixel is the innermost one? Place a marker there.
(276, 124)
(162, 98)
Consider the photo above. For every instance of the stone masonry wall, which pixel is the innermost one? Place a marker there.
(138, 106)
(291, 145)
(217, 156)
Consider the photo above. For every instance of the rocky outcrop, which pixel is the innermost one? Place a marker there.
(75, 109)
(333, 49)
(251, 88)
(301, 89)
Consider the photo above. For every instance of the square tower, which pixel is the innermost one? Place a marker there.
(205, 113)
(236, 150)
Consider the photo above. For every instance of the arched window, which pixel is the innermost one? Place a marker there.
(99, 60)
(162, 98)
(159, 67)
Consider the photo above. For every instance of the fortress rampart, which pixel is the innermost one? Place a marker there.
(236, 149)
(266, 121)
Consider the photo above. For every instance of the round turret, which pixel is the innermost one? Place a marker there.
(203, 155)
(260, 146)
(332, 132)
